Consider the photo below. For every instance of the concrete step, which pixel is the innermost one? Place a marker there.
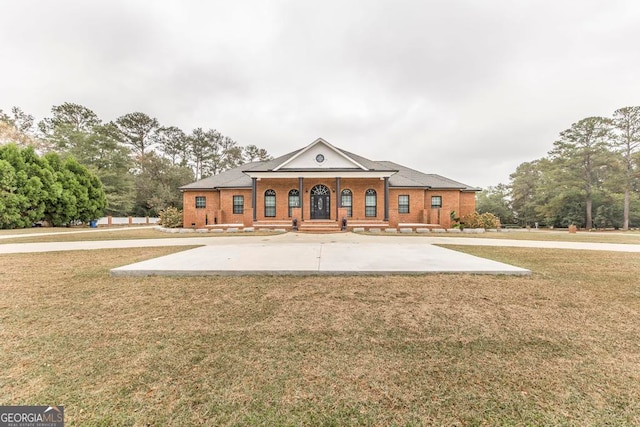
(367, 225)
(319, 227)
(273, 225)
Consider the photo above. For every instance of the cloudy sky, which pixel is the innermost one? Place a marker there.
(465, 88)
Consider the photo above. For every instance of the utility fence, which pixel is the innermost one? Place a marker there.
(127, 220)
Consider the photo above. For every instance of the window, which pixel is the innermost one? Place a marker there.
(294, 200)
(436, 201)
(370, 200)
(320, 190)
(270, 203)
(201, 202)
(403, 203)
(238, 205)
(347, 202)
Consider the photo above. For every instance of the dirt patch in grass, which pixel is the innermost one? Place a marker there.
(558, 348)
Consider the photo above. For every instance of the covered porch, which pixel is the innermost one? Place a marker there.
(319, 198)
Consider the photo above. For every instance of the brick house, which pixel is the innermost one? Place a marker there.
(321, 186)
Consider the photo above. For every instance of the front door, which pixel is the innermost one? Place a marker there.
(320, 202)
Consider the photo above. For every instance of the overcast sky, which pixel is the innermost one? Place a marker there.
(466, 89)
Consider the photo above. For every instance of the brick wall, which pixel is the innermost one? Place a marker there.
(450, 202)
(358, 188)
(416, 204)
(199, 216)
(467, 203)
(226, 205)
(219, 204)
(282, 188)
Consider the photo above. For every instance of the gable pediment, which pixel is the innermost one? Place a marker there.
(319, 155)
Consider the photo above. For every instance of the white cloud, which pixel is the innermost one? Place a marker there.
(463, 88)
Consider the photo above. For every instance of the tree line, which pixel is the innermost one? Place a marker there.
(590, 178)
(140, 162)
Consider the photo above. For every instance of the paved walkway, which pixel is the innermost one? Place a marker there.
(295, 253)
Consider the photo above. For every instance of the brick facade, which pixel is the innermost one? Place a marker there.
(219, 203)
(200, 217)
(282, 188)
(416, 204)
(319, 164)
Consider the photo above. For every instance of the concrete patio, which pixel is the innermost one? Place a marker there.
(309, 254)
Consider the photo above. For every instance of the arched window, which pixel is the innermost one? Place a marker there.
(294, 200)
(270, 203)
(347, 202)
(370, 202)
(320, 189)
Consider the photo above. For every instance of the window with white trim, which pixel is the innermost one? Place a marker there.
(403, 203)
(436, 201)
(270, 203)
(201, 202)
(370, 202)
(238, 205)
(294, 200)
(347, 202)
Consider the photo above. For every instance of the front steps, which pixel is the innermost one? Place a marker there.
(319, 226)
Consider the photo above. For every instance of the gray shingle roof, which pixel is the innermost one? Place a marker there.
(369, 164)
(233, 178)
(405, 177)
(268, 165)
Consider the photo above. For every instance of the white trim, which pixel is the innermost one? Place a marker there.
(322, 174)
(314, 143)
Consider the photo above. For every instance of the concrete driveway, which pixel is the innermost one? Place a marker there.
(308, 254)
(296, 253)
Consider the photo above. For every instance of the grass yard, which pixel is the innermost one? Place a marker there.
(118, 234)
(626, 237)
(61, 234)
(560, 347)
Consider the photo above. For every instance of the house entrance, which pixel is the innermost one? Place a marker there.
(320, 202)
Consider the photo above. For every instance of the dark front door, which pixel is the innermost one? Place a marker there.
(320, 202)
(320, 207)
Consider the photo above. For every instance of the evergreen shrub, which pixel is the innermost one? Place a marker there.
(171, 217)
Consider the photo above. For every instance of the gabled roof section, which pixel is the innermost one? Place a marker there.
(298, 160)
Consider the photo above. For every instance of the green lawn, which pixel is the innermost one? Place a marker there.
(116, 234)
(559, 347)
(627, 237)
